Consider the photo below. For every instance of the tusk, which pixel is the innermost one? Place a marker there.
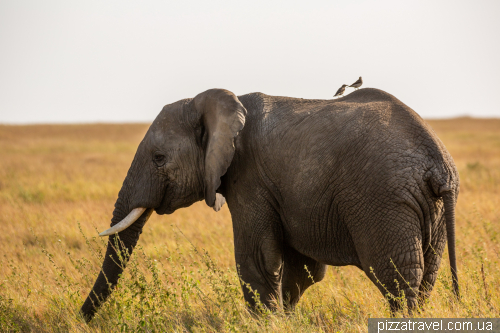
(219, 201)
(125, 223)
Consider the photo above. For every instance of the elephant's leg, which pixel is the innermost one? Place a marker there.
(432, 259)
(432, 262)
(296, 279)
(260, 267)
(258, 252)
(398, 272)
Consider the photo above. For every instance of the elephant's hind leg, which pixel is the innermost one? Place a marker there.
(296, 279)
(399, 272)
(432, 258)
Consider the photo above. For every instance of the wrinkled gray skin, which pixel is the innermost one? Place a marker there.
(358, 180)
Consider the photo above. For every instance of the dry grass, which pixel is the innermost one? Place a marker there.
(55, 180)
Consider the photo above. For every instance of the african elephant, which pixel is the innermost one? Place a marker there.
(360, 180)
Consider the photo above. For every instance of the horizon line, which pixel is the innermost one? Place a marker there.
(131, 122)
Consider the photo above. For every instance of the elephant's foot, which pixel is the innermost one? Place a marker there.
(398, 304)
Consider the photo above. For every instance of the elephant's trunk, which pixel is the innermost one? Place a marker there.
(112, 266)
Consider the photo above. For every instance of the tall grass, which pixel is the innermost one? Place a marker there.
(57, 188)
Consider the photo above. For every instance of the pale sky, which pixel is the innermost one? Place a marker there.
(122, 61)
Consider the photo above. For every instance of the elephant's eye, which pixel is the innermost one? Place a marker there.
(159, 159)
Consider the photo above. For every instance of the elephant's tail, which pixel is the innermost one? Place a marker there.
(449, 213)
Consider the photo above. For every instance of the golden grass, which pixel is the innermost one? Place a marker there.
(55, 180)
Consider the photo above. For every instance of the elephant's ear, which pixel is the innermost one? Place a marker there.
(223, 116)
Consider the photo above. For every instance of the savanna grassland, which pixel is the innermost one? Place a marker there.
(58, 185)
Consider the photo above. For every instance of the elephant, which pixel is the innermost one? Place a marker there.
(360, 180)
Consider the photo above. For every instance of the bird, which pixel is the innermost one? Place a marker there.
(357, 84)
(341, 90)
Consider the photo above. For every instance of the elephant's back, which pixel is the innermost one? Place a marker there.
(365, 112)
(368, 125)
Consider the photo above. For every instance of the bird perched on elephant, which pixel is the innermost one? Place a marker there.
(361, 181)
(341, 90)
(357, 84)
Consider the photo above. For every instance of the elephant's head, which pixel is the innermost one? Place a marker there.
(181, 159)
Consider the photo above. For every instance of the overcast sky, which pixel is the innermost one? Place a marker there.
(121, 61)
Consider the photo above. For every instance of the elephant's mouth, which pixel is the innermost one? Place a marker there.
(175, 197)
(165, 206)
(169, 205)
(164, 210)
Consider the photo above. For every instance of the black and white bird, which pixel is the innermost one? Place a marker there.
(357, 84)
(341, 90)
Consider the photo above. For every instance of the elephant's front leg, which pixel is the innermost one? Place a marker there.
(260, 271)
(259, 255)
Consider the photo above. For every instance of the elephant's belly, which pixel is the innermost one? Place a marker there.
(336, 259)
(329, 243)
